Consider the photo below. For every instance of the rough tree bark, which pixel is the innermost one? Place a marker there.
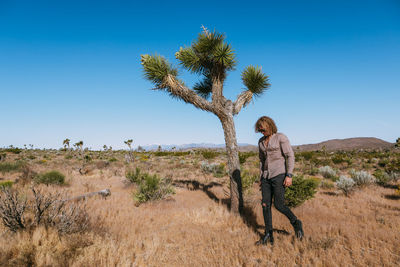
(232, 152)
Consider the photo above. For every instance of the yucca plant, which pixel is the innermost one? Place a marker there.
(211, 57)
(129, 144)
(79, 148)
(66, 143)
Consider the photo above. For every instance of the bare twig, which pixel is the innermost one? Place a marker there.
(12, 209)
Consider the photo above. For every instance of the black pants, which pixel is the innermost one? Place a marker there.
(274, 188)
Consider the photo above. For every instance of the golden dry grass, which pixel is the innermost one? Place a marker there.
(192, 229)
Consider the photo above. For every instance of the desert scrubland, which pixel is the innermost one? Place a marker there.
(191, 225)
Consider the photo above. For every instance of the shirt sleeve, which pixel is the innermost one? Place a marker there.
(288, 153)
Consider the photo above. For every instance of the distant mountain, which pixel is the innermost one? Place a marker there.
(366, 143)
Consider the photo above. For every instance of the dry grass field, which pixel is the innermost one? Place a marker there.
(194, 227)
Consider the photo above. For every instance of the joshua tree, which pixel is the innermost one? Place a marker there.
(211, 57)
(129, 144)
(79, 147)
(66, 143)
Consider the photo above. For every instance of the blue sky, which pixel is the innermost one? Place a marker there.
(71, 69)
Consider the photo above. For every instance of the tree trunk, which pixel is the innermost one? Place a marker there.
(233, 163)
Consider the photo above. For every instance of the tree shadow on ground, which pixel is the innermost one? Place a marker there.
(392, 197)
(206, 188)
(248, 213)
(391, 186)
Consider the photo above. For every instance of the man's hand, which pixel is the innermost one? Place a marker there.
(288, 181)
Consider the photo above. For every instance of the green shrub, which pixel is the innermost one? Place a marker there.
(383, 162)
(68, 156)
(307, 155)
(14, 150)
(144, 157)
(300, 191)
(171, 153)
(393, 166)
(87, 158)
(112, 160)
(51, 177)
(338, 158)
(6, 184)
(152, 188)
(381, 177)
(326, 184)
(10, 166)
(315, 178)
(248, 180)
(328, 172)
(345, 184)
(209, 154)
(41, 161)
(313, 171)
(181, 153)
(341, 158)
(161, 153)
(243, 156)
(320, 161)
(362, 178)
(136, 176)
(218, 170)
(394, 176)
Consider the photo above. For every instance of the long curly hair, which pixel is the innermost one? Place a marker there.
(267, 124)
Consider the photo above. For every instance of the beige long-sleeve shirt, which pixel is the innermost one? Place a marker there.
(277, 158)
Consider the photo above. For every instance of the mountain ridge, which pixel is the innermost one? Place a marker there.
(366, 143)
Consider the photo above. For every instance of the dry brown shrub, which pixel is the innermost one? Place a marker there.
(86, 170)
(27, 175)
(12, 209)
(50, 210)
(102, 164)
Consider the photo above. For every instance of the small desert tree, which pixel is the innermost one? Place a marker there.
(66, 143)
(397, 142)
(211, 57)
(79, 148)
(129, 144)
